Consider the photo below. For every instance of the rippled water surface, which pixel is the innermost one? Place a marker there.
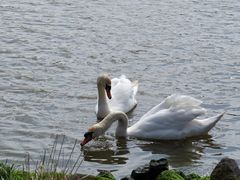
(51, 52)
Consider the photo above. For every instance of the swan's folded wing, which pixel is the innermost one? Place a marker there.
(121, 79)
(114, 81)
(172, 121)
(123, 94)
(177, 102)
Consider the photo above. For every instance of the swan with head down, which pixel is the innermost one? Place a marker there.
(173, 119)
(118, 94)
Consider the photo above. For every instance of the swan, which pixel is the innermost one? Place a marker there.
(121, 94)
(172, 119)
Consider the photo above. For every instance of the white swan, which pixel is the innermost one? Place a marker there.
(121, 94)
(173, 119)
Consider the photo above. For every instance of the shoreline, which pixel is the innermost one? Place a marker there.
(226, 169)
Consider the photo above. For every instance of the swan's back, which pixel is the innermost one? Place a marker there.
(174, 118)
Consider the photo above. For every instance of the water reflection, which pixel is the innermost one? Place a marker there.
(179, 153)
(183, 152)
(105, 152)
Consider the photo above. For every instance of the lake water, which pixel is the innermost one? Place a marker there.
(51, 52)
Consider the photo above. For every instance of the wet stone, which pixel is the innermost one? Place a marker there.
(157, 166)
(151, 170)
(226, 169)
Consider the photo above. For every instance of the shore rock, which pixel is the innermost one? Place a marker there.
(151, 170)
(226, 169)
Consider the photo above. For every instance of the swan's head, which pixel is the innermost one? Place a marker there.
(105, 82)
(100, 128)
(93, 132)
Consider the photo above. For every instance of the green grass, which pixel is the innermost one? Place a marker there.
(48, 167)
(11, 173)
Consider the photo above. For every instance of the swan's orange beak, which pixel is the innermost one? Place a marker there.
(88, 137)
(108, 91)
(85, 141)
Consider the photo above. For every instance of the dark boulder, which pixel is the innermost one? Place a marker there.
(226, 169)
(151, 170)
(157, 166)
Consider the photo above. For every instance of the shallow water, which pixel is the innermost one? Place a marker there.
(52, 51)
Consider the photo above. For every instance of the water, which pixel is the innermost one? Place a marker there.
(52, 51)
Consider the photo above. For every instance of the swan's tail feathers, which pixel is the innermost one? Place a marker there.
(135, 87)
(209, 123)
(217, 118)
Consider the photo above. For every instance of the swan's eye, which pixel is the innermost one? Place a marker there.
(108, 88)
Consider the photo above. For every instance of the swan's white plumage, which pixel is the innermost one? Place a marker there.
(123, 94)
(174, 118)
(123, 97)
(178, 102)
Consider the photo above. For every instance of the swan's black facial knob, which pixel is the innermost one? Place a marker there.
(108, 91)
(88, 136)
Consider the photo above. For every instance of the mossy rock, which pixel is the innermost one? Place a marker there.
(170, 175)
(101, 176)
(105, 176)
(179, 175)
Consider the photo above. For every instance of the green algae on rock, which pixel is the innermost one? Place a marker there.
(170, 175)
(178, 175)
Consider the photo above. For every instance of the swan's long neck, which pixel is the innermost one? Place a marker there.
(122, 119)
(103, 108)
